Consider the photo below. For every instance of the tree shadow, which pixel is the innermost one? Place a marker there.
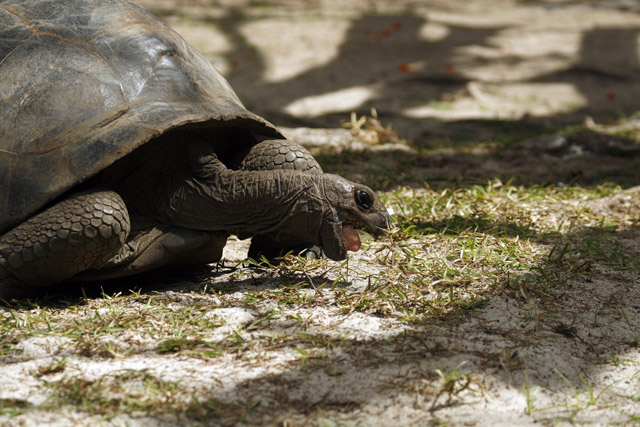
(605, 72)
(563, 320)
(378, 50)
(383, 50)
(564, 315)
(388, 54)
(583, 157)
(583, 323)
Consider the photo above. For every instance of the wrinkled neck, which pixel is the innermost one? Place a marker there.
(242, 202)
(185, 184)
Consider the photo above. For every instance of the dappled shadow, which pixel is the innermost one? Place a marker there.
(572, 286)
(584, 158)
(583, 323)
(402, 69)
(563, 318)
(388, 53)
(378, 51)
(607, 65)
(570, 281)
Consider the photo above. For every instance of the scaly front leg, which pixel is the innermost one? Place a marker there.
(287, 155)
(80, 232)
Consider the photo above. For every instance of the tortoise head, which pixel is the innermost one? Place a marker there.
(355, 207)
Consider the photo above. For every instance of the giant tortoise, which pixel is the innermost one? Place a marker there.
(123, 150)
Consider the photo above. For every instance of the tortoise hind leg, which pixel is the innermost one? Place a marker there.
(159, 246)
(280, 154)
(80, 232)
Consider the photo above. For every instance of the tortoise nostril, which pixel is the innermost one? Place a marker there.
(363, 200)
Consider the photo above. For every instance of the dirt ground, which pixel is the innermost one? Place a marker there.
(444, 74)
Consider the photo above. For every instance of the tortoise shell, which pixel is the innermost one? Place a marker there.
(83, 83)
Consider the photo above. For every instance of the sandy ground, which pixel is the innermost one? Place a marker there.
(432, 69)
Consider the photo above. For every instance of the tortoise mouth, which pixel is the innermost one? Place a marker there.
(351, 238)
(373, 225)
(350, 227)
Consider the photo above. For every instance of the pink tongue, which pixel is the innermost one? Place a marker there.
(351, 238)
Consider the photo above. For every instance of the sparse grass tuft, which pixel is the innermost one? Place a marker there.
(13, 407)
(371, 131)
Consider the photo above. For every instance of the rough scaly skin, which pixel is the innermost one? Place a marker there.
(280, 154)
(192, 202)
(283, 204)
(78, 233)
(287, 155)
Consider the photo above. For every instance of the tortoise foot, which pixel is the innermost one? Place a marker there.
(264, 246)
(80, 232)
(156, 247)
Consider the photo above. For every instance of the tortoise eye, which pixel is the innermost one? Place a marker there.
(363, 200)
